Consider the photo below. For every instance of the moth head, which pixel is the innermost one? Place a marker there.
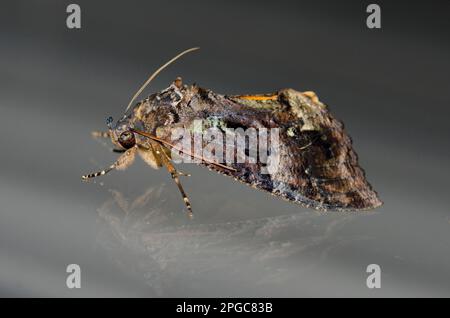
(121, 134)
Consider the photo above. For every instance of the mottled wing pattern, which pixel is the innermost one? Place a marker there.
(317, 168)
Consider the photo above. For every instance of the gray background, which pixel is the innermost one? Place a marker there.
(389, 86)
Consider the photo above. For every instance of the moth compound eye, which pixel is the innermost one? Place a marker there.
(127, 140)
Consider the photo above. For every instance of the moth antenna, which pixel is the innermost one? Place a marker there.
(156, 73)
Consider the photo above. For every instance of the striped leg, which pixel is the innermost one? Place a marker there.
(123, 162)
(175, 174)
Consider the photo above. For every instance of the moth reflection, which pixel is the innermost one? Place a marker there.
(176, 257)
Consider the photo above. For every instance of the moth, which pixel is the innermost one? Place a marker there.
(317, 166)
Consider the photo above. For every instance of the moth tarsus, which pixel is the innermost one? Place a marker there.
(317, 166)
(175, 176)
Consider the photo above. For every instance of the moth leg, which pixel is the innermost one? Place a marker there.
(100, 134)
(152, 156)
(123, 162)
(149, 155)
(183, 174)
(175, 174)
(167, 154)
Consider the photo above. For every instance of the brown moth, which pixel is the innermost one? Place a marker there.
(317, 166)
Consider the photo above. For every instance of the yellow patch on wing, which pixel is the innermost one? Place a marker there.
(258, 97)
(312, 96)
